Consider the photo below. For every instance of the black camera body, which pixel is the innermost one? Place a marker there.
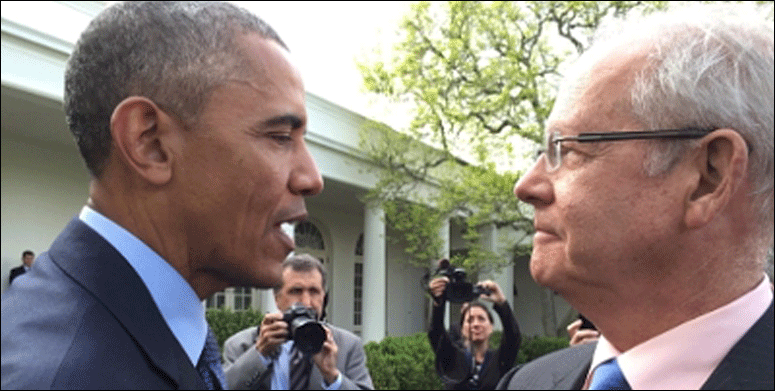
(459, 290)
(304, 328)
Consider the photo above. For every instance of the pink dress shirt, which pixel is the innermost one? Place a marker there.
(683, 357)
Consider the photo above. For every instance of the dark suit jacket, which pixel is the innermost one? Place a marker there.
(748, 366)
(82, 318)
(245, 370)
(16, 272)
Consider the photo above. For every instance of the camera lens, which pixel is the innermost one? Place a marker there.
(308, 335)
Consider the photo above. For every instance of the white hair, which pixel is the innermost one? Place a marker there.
(709, 67)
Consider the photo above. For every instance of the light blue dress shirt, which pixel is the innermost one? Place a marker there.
(282, 370)
(177, 302)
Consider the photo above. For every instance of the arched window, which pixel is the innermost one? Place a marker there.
(308, 236)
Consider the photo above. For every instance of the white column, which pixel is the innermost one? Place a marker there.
(268, 304)
(374, 275)
(444, 235)
(505, 278)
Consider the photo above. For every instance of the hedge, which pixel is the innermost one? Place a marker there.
(408, 363)
(402, 363)
(395, 363)
(225, 322)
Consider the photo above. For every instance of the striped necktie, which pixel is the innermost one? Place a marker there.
(301, 366)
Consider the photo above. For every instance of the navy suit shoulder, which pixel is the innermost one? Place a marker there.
(749, 365)
(564, 369)
(82, 318)
(15, 272)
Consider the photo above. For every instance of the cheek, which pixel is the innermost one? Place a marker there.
(254, 201)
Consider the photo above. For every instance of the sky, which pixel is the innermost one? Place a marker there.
(325, 39)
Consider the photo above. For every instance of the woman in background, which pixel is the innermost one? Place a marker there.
(472, 365)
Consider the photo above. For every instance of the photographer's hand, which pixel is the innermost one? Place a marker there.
(496, 295)
(325, 359)
(274, 331)
(437, 286)
(578, 335)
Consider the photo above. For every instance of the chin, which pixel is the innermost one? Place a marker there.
(268, 279)
(545, 271)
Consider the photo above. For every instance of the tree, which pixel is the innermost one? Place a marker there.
(480, 77)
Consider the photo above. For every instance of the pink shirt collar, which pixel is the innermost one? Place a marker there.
(701, 344)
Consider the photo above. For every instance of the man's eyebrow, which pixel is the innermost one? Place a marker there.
(287, 119)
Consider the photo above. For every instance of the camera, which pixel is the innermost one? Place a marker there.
(304, 329)
(586, 323)
(459, 290)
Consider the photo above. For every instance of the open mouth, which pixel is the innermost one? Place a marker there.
(285, 232)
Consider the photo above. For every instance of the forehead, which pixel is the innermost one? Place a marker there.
(266, 84)
(307, 278)
(596, 94)
(476, 312)
(268, 62)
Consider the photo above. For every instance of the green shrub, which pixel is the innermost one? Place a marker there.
(534, 347)
(408, 363)
(495, 339)
(395, 363)
(225, 322)
(402, 363)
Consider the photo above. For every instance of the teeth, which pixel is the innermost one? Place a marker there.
(288, 229)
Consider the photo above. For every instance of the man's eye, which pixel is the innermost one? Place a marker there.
(282, 137)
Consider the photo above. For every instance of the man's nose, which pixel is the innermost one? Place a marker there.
(306, 299)
(305, 177)
(534, 187)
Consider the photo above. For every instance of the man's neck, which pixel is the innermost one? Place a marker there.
(629, 325)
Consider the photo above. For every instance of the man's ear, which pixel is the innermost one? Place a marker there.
(721, 162)
(142, 133)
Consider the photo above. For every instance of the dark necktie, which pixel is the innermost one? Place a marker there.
(608, 376)
(301, 366)
(209, 365)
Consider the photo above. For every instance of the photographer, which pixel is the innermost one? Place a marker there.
(272, 356)
(473, 366)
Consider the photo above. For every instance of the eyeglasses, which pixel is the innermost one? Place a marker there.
(553, 152)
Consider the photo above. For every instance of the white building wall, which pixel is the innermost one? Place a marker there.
(406, 297)
(343, 228)
(43, 187)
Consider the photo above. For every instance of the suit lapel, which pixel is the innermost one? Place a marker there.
(749, 365)
(575, 374)
(562, 370)
(87, 258)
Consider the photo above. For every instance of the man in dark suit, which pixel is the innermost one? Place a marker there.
(654, 203)
(190, 118)
(28, 257)
(262, 359)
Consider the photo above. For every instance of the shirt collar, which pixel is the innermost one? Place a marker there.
(702, 342)
(176, 300)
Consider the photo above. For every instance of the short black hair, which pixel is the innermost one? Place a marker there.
(27, 252)
(170, 52)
